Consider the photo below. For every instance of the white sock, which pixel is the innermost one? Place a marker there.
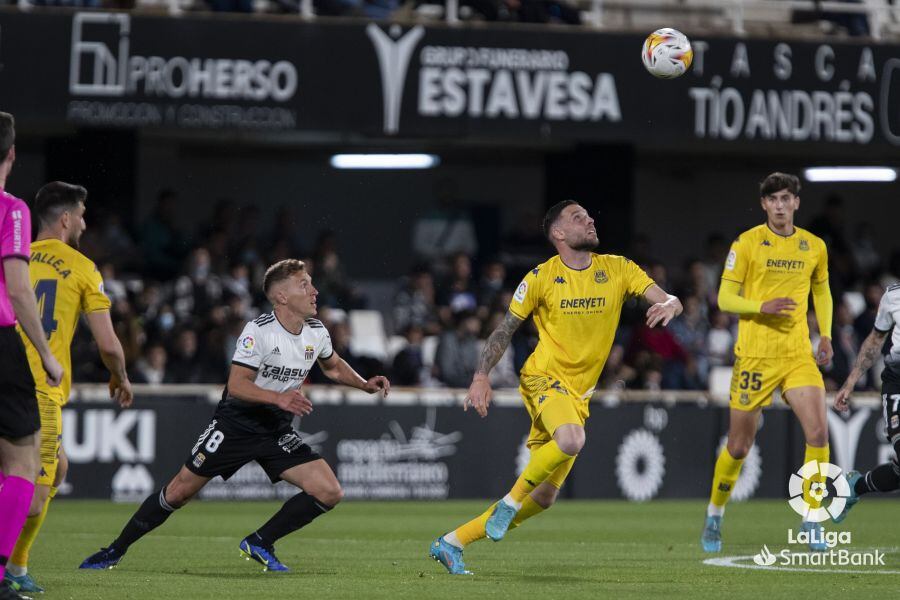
(16, 570)
(509, 500)
(452, 539)
(715, 511)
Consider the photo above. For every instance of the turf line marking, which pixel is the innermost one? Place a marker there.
(731, 561)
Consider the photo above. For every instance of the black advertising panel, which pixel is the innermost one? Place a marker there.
(636, 451)
(381, 80)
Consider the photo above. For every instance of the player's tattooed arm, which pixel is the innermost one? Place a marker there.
(497, 343)
(867, 356)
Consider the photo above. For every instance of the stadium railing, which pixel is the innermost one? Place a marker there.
(327, 394)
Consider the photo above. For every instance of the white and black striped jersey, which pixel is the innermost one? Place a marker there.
(887, 318)
(282, 360)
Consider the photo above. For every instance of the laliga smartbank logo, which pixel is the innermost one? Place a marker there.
(817, 476)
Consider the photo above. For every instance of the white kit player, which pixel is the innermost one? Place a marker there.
(274, 354)
(886, 477)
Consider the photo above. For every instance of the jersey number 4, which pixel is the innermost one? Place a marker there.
(751, 381)
(45, 293)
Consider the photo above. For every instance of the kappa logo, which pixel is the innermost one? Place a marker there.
(394, 52)
(559, 280)
(766, 243)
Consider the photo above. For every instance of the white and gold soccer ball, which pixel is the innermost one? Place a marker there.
(667, 53)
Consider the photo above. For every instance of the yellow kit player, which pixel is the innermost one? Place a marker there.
(767, 281)
(67, 285)
(575, 299)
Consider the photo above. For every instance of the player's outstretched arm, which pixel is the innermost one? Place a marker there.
(112, 355)
(663, 306)
(337, 370)
(479, 395)
(242, 385)
(868, 353)
(24, 304)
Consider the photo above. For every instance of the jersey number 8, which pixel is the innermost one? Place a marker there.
(214, 440)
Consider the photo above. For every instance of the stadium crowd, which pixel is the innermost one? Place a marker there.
(179, 301)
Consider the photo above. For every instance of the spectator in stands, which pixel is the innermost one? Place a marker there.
(720, 340)
(414, 304)
(458, 351)
(198, 288)
(409, 363)
(332, 282)
(846, 347)
(113, 287)
(458, 291)
(162, 244)
(186, 364)
(661, 352)
(493, 278)
(151, 367)
(866, 257)
(617, 375)
(691, 330)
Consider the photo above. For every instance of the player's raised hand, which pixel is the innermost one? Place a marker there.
(842, 399)
(479, 395)
(378, 383)
(825, 352)
(53, 369)
(294, 402)
(661, 312)
(120, 391)
(781, 307)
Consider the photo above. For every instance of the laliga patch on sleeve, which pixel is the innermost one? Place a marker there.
(731, 260)
(519, 296)
(247, 342)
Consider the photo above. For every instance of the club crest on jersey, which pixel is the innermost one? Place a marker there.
(600, 276)
(247, 342)
(804, 245)
(766, 243)
(199, 459)
(745, 399)
(309, 352)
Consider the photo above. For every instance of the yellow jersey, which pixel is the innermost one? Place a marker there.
(576, 313)
(769, 265)
(66, 284)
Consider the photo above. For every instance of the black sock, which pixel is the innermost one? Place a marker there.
(297, 512)
(152, 513)
(883, 478)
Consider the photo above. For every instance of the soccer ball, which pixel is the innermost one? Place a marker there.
(667, 53)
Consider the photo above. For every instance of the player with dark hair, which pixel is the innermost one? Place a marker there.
(253, 422)
(886, 477)
(67, 285)
(19, 416)
(768, 276)
(575, 299)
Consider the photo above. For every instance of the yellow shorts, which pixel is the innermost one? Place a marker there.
(51, 437)
(755, 379)
(550, 405)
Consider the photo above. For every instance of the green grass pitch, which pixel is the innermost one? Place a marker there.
(362, 550)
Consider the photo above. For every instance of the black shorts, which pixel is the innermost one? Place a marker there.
(19, 414)
(222, 449)
(890, 399)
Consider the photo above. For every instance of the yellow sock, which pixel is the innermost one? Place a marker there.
(474, 529)
(726, 474)
(820, 454)
(29, 533)
(543, 462)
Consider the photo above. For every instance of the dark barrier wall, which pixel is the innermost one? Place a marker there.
(637, 451)
(104, 69)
